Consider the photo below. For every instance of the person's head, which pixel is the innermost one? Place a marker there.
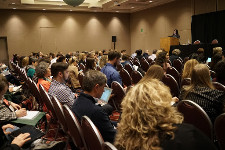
(82, 56)
(114, 57)
(61, 59)
(139, 52)
(158, 51)
(147, 117)
(175, 31)
(188, 67)
(154, 51)
(123, 51)
(217, 50)
(176, 52)
(125, 57)
(200, 76)
(4, 85)
(154, 72)
(216, 58)
(51, 56)
(94, 82)
(200, 51)
(42, 70)
(103, 60)
(90, 64)
(60, 71)
(33, 61)
(162, 57)
(220, 71)
(73, 61)
(24, 62)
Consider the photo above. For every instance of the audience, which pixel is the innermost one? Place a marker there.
(58, 88)
(202, 92)
(110, 70)
(93, 86)
(149, 122)
(175, 55)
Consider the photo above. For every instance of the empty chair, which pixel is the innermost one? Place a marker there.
(129, 68)
(195, 115)
(126, 79)
(119, 66)
(108, 146)
(74, 128)
(34, 91)
(136, 77)
(172, 84)
(119, 93)
(220, 130)
(92, 136)
(173, 72)
(178, 65)
(219, 86)
(144, 64)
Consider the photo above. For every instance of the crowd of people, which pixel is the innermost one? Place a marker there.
(148, 121)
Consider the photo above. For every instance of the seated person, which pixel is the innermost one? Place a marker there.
(220, 72)
(93, 86)
(43, 74)
(125, 60)
(149, 122)
(31, 67)
(202, 92)
(58, 87)
(18, 141)
(5, 113)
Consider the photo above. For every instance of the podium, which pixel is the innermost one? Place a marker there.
(166, 42)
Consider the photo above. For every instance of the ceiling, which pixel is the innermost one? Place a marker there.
(119, 6)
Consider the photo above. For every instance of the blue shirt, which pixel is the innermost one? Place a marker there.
(111, 73)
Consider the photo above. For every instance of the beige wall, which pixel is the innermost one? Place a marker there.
(29, 31)
(160, 22)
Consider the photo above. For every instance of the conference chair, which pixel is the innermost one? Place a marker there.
(173, 72)
(118, 93)
(119, 66)
(195, 115)
(92, 136)
(80, 78)
(220, 130)
(74, 128)
(108, 146)
(212, 74)
(144, 64)
(136, 77)
(129, 68)
(178, 65)
(81, 66)
(219, 86)
(137, 63)
(172, 84)
(126, 79)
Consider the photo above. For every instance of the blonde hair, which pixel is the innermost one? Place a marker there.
(103, 60)
(72, 60)
(147, 117)
(188, 67)
(154, 72)
(82, 56)
(217, 50)
(176, 52)
(25, 62)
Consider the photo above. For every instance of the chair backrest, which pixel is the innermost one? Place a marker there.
(186, 81)
(178, 65)
(80, 78)
(59, 113)
(173, 72)
(129, 68)
(212, 74)
(81, 66)
(126, 79)
(46, 99)
(92, 136)
(98, 68)
(220, 130)
(119, 93)
(195, 115)
(34, 91)
(219, 86)
(137, 63)
(108, 146)
(74, 128)
(136, 77)
(119, 66)
(172, 84)
(144, 64)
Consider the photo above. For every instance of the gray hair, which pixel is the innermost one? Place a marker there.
(92, 78)
(41, 69)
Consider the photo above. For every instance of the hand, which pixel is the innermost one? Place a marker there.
(16, 106)
(7, 126)
(21, 112)
(175, 99)
(21, 139)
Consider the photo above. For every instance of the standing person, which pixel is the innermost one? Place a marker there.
(176, 34)
(148, 122)
(110, 68)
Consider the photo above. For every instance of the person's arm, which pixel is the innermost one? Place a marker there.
(6, 114)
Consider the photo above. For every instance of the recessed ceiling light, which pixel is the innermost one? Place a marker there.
(14, 8)
(71, 10)
(132, 7)
(43, 9)
(13, 3)
(150, 1)
(117, 11)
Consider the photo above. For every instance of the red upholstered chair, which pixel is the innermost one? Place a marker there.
(119, 93)
(195, 115)
(74, 128)
(144, 65)
(128, 68)
(34, 91)
(172, 84)
(137, 63)
(220, 130)
(178, 65)
(136, 77)
(92, 136)
(149, 60)
(173, 72)
(219, 86)
(126, 79)
(81, 67)
(119, 66)
(108, 146)
(80, 78)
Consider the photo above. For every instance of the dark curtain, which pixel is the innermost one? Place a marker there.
(206, 27)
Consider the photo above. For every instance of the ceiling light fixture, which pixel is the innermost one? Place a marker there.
(43, 9)
(73, 2)
(71, 10)
(132, 7)
(13, 3)
(150, 1)
(14, 8)
(117, 11)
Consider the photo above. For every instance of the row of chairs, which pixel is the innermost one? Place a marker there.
(195, 115)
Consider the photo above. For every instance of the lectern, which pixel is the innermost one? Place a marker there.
(166, 42)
